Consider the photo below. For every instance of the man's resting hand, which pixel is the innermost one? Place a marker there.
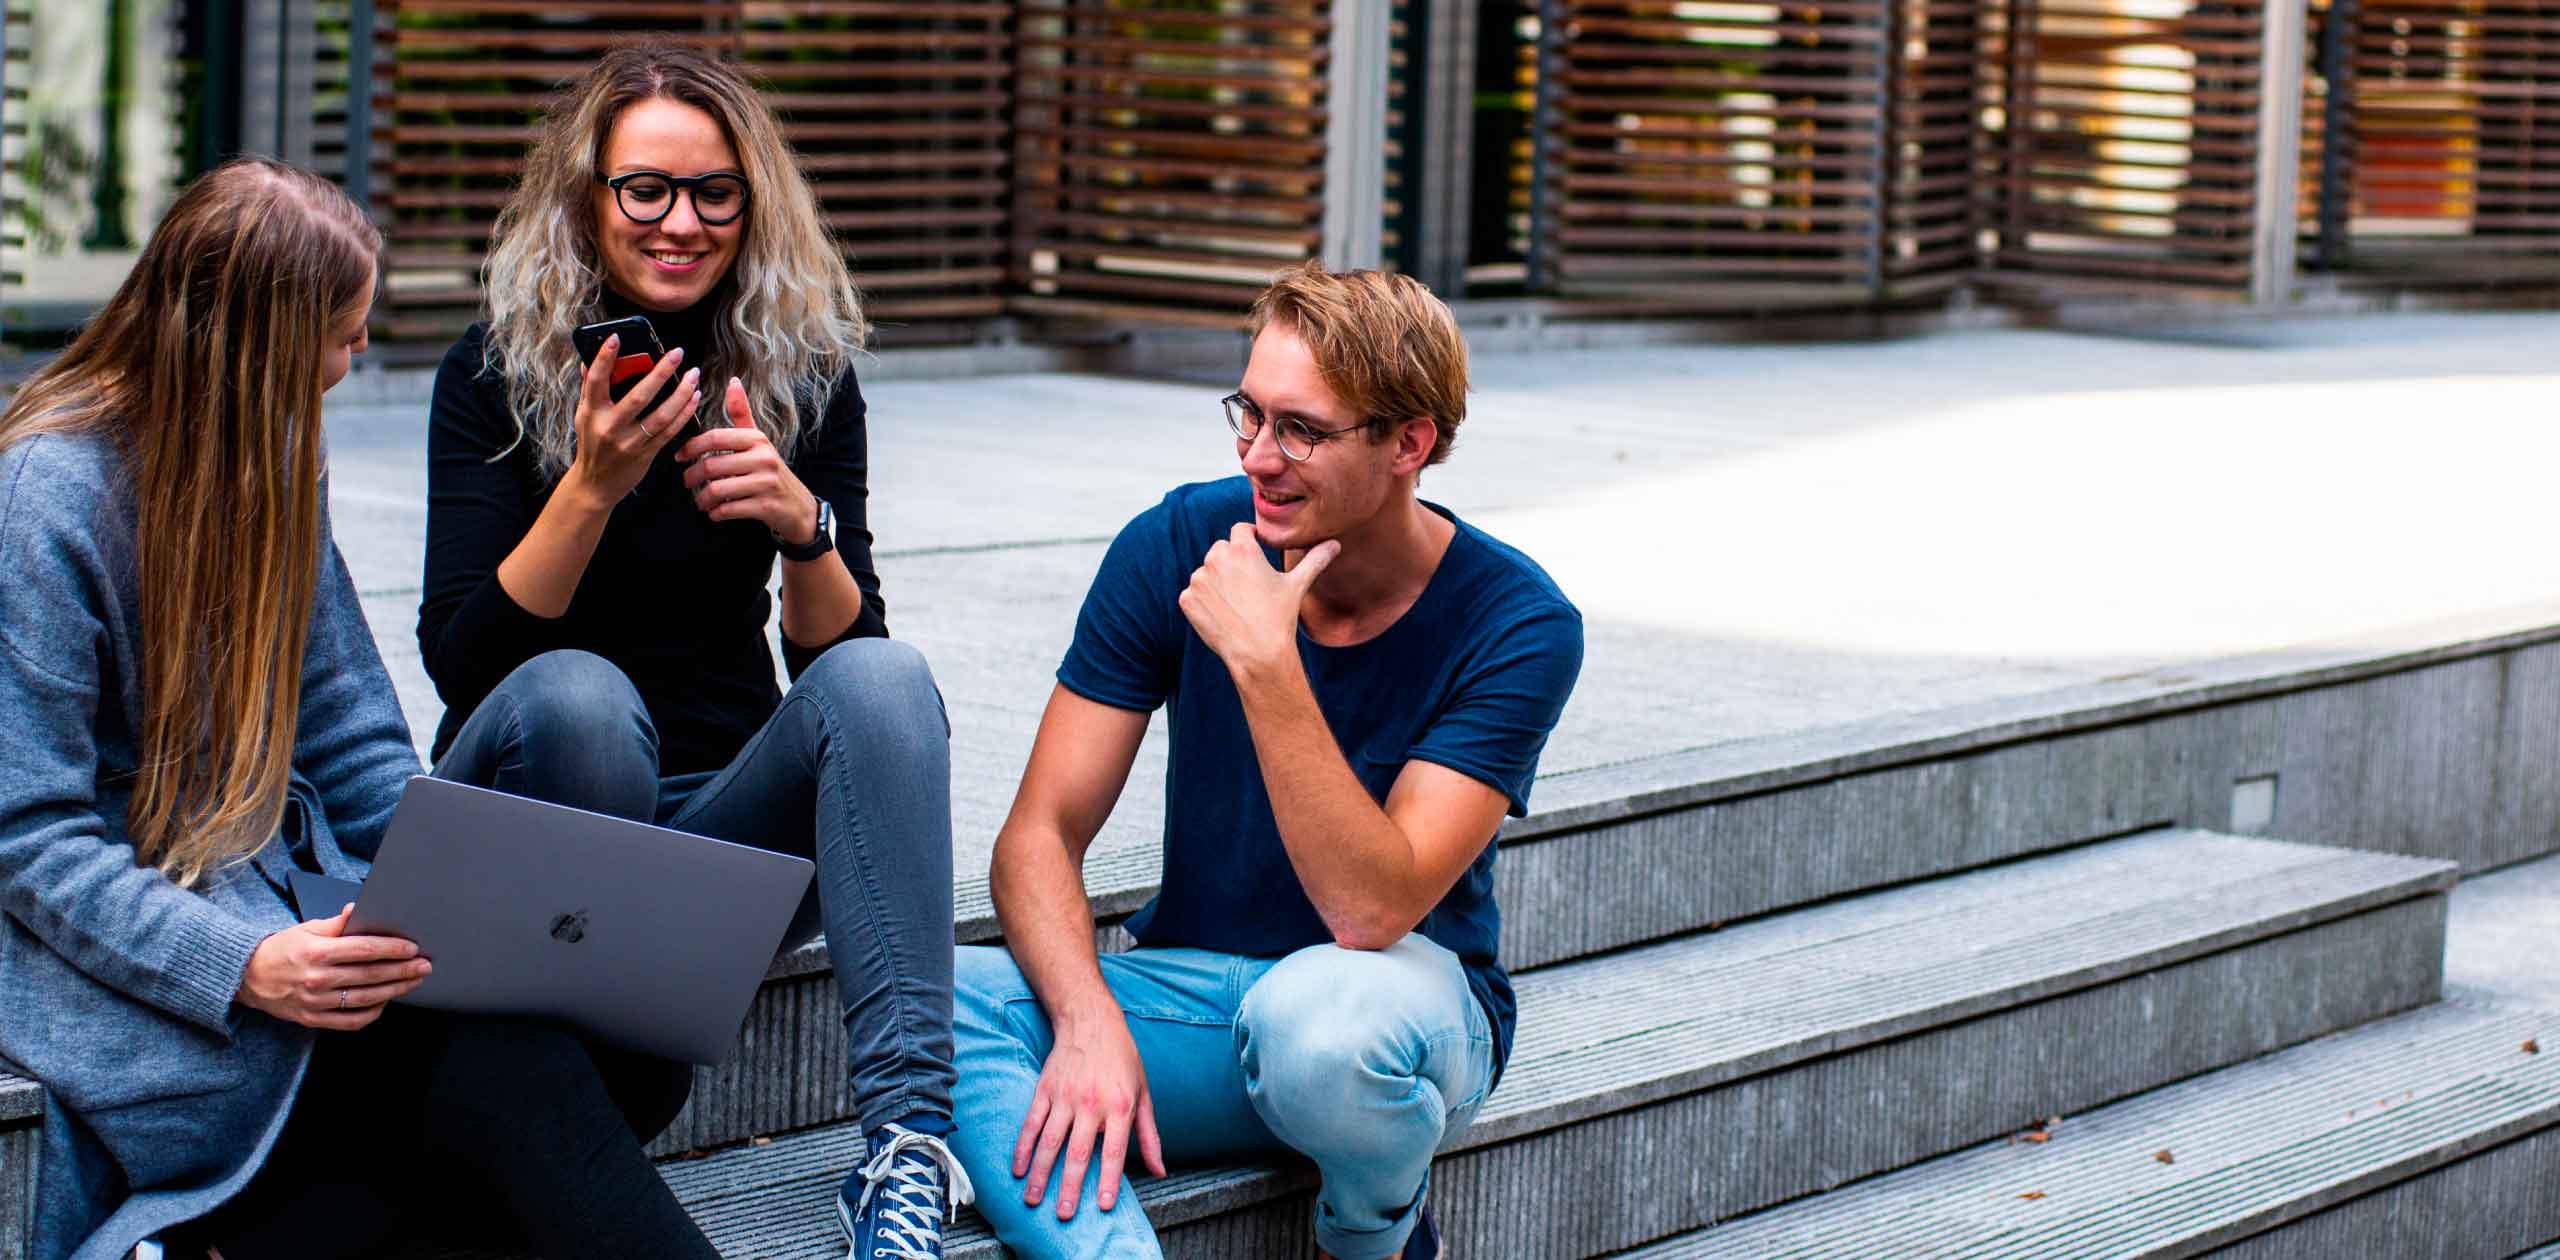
(1094, 1083)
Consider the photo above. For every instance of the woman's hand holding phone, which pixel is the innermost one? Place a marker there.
(618, 440)
(735, 474)
(315, 975)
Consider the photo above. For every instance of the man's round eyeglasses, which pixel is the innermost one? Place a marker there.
(647, 196)
(1296, 438)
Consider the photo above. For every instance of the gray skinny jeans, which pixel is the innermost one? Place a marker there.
(852, 771)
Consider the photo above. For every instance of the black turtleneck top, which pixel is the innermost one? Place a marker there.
(675, 600)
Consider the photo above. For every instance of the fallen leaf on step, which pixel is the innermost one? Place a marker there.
(2532, 1047)
(2032, 1194)
(2165, 1157)
(2035, 1135)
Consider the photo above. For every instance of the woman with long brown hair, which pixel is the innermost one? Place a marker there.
(595, 604)
(191, 709)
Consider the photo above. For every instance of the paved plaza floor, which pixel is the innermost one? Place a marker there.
(1765, 540)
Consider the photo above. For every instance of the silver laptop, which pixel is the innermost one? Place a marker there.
(644, 938)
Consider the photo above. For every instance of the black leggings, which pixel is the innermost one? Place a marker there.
(465, 1129)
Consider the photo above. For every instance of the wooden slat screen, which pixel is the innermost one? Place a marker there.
(1724, 151)
(2121, 139)
(897, 109)
(2456, 118)
(1931, 213)
(333, 56)
(1168, 158)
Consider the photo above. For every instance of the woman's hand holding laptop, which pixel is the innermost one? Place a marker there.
(314, 975)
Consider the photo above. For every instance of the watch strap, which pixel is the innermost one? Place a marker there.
(818, 545)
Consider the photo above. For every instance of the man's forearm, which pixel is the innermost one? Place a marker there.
(1357, 866)
(1048, 924)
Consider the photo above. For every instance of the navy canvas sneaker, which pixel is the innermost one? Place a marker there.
(1424, 1242)
(897, 1205)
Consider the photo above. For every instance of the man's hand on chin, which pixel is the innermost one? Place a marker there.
(1245, 610)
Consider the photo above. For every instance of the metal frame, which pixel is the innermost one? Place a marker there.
(1355, 136)
(2337, 128)
(1437, 141)
(2278, 232)
(1541, 261)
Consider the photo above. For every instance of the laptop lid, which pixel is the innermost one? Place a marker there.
(645, 938)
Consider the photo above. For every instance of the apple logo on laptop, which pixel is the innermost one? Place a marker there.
(570, 928)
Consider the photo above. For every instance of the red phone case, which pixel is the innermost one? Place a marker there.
(629, 366)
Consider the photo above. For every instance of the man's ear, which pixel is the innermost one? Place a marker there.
(1414, 440)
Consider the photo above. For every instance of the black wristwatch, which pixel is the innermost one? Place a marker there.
(824, 542)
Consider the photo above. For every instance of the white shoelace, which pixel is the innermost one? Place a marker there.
(911, 1219)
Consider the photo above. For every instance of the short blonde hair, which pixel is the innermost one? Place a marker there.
(1385, 346)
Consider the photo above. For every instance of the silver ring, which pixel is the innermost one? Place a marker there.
(342, 999)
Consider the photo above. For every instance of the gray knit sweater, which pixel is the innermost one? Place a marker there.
(116, 985)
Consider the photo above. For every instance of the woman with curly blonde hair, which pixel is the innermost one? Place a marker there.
(598, 551)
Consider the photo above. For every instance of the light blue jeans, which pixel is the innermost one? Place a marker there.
(1366, 1062)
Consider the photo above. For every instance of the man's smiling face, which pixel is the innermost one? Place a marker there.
(1343, 482)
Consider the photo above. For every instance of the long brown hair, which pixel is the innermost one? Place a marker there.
(789, 321)
(205, 370)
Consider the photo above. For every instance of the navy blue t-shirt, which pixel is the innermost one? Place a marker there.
(1472, 677)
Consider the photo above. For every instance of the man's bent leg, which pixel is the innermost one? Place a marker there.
(1180, 1008)
(1365, 1062)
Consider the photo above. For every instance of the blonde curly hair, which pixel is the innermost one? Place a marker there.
(788, 323)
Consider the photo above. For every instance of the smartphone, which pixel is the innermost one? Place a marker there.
(640, 349)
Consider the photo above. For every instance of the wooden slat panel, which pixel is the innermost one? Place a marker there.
(1931, 217)
(899, 112)
(1690, 147)
(1165, 160)
(2452, 135)
(2121, 139)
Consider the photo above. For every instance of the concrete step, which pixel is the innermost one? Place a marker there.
(1808, 1049)
(1664, 1087)
(2430, 1136)
(21, 1115)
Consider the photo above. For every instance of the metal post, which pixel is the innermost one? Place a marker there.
(106, 231)
(1881, 246)
(4, 120)
(2277, 231)
(1542, 127)
(215, 33)
(1438, 138)
(359, 175)
(1355, 150)
(2337, 130)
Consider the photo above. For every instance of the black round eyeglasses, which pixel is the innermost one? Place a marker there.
(647, 196)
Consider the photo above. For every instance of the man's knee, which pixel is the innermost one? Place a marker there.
(1328, 1033)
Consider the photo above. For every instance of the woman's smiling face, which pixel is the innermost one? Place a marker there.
(672, 263)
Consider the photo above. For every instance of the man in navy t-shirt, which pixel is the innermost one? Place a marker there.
(1358, 685)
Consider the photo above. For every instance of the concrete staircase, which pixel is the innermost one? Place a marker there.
(1714, 1035)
